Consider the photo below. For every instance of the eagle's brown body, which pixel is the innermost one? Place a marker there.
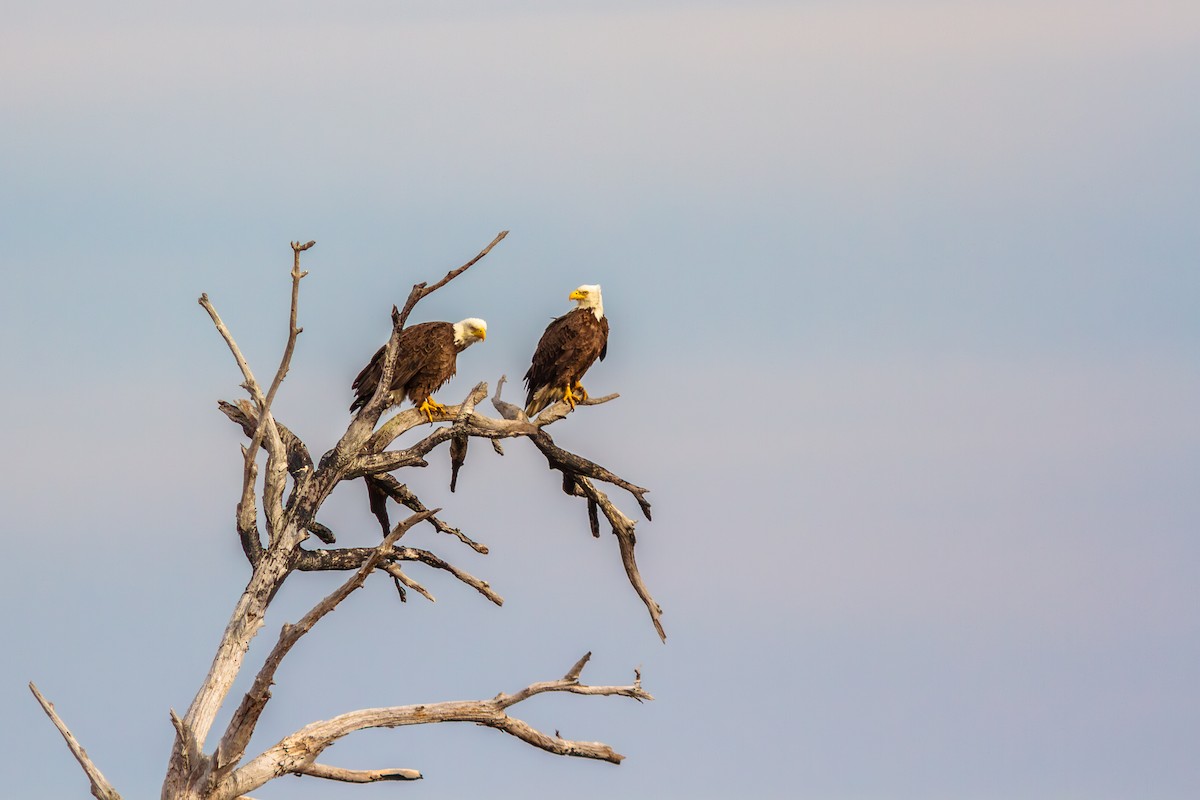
(568, 347)
(428, 358)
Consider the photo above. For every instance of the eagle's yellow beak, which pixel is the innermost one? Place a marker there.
(483, 334)
(577, 295)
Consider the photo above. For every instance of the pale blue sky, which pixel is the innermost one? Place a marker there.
(904, 304)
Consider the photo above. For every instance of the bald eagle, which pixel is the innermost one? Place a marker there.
(570, 345)
(427, 359)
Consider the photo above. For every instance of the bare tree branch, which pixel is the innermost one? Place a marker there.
(420, 290)
(404, 580)
(277, 463)
(389, 487)
(237, 735)
(346, 558)
(359, 775)
(244, 415)
(575, 469)
(295, 752)
(243, 723)
(465, 420)
(247, 506)
(266, 430)
(186, 745)
(101, 788)
(373, 462)
(550, 414)
(581, 467)
(622, 527)
(560, 409)
(562, 459)
(577, 474)
(299, 465)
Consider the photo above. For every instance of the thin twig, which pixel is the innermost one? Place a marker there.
(101, 788)
(266, 427)
(623, 529)
(346, 558)
(420, 290)
(389, 487)
(294, 332)
(276, 462)
(404, 579)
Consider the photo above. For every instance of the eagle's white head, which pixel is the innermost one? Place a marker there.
(469, 331)
(588, 296)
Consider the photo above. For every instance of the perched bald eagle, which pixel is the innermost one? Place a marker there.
(427, 359)
(570, 345)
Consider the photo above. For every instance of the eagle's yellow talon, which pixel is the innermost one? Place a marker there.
(429, 406)
(569, 396)
(425, 360)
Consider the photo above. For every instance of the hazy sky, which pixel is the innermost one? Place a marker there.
(905, 300)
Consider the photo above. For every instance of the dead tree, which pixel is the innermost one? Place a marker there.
(293, 491)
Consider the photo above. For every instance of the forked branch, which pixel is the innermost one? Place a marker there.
(345, 558)
(385, 487)
(578, 474)
(237, 735)
(297, 752)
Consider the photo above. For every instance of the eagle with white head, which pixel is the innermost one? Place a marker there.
(568, 347)
(427, 359)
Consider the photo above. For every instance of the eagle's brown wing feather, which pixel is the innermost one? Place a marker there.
(438, 361)
(419, 346)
